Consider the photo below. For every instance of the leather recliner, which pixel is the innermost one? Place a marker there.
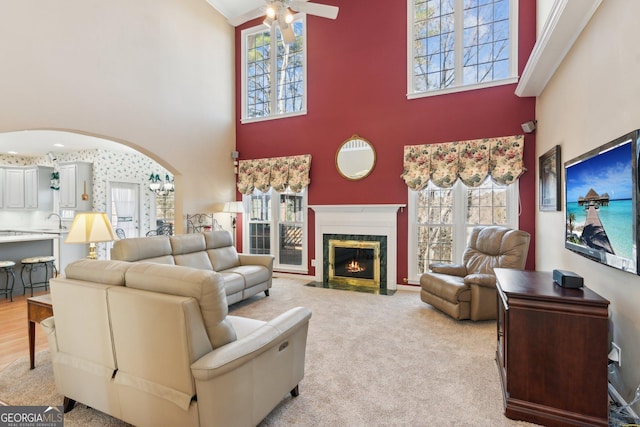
(468, 290)
(153, 344)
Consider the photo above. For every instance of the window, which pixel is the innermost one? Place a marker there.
(441, 220)
(457, 45)
(276, 224)
(274, 74)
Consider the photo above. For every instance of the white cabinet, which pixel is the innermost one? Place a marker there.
(75, 185)
(68, 188)
(27, 188)
(31, 188)
(14, 188)
(2, 187)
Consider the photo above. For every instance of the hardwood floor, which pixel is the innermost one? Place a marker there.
(14, 338)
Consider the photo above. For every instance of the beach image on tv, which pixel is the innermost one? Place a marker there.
(599, 200)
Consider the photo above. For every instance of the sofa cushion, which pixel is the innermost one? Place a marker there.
(98, 271)
(187, 243)
(233, 282)
(204, 285)
(153, 249)
(189, 251)
(222, 253)
(252, 274)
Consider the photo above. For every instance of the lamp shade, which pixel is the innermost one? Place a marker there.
(233, 207)
(90, 227)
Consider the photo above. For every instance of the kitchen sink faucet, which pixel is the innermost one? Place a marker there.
(60, 227)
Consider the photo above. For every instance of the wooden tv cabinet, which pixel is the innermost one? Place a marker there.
(552, 350)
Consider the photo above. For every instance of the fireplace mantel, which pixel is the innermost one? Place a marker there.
(355, 208)
(373, 220)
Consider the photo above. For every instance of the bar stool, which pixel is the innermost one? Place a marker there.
(29, 265)
(6, 267)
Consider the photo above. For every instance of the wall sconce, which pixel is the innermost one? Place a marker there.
(160, 187)
(529, 127)
(91, 227)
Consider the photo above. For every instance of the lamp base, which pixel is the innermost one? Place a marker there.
(92, 251)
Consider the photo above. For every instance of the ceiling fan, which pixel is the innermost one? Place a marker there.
(279, 12)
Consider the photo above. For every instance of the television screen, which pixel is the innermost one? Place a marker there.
(600, 199)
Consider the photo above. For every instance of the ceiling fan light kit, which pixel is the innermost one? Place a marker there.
(278, 12)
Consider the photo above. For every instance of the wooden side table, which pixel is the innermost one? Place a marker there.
(552, 350)
(38, 309)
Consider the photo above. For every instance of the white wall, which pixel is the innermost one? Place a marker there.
(592, 99)
(154, 75)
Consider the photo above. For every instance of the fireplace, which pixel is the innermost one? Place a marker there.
(355, 260)
(367, 223)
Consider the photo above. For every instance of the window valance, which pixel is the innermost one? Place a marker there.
(471, 161)
(276, 172)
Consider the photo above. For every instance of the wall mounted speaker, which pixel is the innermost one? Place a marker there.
(528, 127)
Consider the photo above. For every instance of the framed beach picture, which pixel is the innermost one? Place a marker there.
(549, 169)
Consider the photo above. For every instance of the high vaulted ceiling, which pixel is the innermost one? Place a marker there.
(231, 9)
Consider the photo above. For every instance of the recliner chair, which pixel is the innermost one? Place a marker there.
(468, 290)
(154, 345)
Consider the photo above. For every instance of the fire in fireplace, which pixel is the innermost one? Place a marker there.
(354, 262)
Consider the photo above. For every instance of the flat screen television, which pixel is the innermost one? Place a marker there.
(601, 203)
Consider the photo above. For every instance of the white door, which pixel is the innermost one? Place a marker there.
(124, 207)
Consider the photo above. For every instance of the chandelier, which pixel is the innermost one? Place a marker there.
(160, 187)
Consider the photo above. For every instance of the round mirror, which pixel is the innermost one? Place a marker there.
(355, 158)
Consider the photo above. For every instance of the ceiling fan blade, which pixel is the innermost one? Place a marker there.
(287, 34)
(252, 14)
(317, 9)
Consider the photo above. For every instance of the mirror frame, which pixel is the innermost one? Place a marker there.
(356, 137)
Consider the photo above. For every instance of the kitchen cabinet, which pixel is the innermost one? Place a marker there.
(28, 188)
(2, 187)
(76, 184)
(14, 188)
(31, 188)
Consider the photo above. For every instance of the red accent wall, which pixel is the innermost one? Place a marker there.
(357, 83)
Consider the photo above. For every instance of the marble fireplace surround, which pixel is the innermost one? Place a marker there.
(370, 220)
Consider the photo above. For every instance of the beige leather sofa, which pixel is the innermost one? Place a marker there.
(153, 345)
(468, 290)
(244, 275)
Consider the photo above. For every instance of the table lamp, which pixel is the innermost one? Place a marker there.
(90, 227)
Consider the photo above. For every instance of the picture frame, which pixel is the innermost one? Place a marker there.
(550, 174)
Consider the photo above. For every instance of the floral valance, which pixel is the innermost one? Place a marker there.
(277, 172)
(471, 161)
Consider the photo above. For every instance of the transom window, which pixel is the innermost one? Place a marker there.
(460, 44)
(276, 224)
(273, 72)
(441, 219)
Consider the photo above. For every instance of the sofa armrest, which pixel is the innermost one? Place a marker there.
(450, 269)
(250, 259)
(237, 353)
(48, 325)
(486, 280)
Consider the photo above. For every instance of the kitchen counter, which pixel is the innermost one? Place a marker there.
(27, 237)
(18, 243)
(28, 230)
(16, 248)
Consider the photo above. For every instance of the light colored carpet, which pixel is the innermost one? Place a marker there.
(372, 360)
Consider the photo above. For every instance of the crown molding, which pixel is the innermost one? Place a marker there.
(566, 21)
